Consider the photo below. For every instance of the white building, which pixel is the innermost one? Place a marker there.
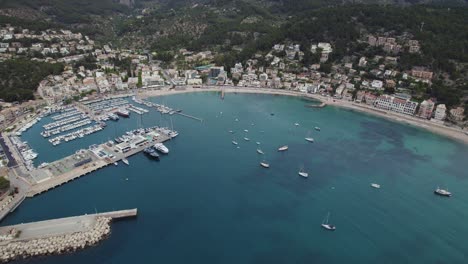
(395, 104)
(440, 112)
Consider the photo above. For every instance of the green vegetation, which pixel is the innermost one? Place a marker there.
(20, 78)
(4, 184)
(69, 11)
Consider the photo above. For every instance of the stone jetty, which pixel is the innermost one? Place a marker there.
(56, 236)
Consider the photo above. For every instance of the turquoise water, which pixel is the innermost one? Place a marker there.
(210, 202)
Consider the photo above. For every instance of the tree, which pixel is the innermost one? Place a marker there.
(4, 184)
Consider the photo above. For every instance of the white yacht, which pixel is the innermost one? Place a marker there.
(161, 148)
(375, 185)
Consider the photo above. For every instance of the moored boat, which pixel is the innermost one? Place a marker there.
(303, 173)
(283, 148)
(442, 192)
(326, 225)
(161, 148)
(234, 142)
(123, 113)
(259, 151)
(124, 160)
(265, 165)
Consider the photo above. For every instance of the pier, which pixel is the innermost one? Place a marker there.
(189, 116)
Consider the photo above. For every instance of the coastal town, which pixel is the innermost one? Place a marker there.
(101, 83)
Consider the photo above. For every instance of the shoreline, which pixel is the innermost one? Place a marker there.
(449, 132)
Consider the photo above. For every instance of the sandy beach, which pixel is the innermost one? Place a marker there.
(451, 132)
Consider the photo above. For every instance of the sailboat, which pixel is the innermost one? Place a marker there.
(326, 225)
(309, 138)
(303, 173)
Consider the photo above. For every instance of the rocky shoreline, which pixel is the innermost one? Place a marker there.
(56, 244)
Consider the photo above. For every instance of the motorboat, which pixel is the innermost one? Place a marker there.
(442, 192)
(123, 113)
(317, 128)
(265, 165)
(124, 160)
(234, 142)
(375, 185)
(259, 151)
(161, 148)
(309, 139)
(283, 148)
(247, 139)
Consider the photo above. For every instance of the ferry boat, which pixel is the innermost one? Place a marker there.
(375, 185)
(265, 165)
(161, 148)
(326, 225)
(124, 160)
(442, 192)
(259, 151)
(123, 113)
(283, 148)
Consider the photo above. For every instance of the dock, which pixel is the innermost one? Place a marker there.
(65, 170)
(189, 116)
